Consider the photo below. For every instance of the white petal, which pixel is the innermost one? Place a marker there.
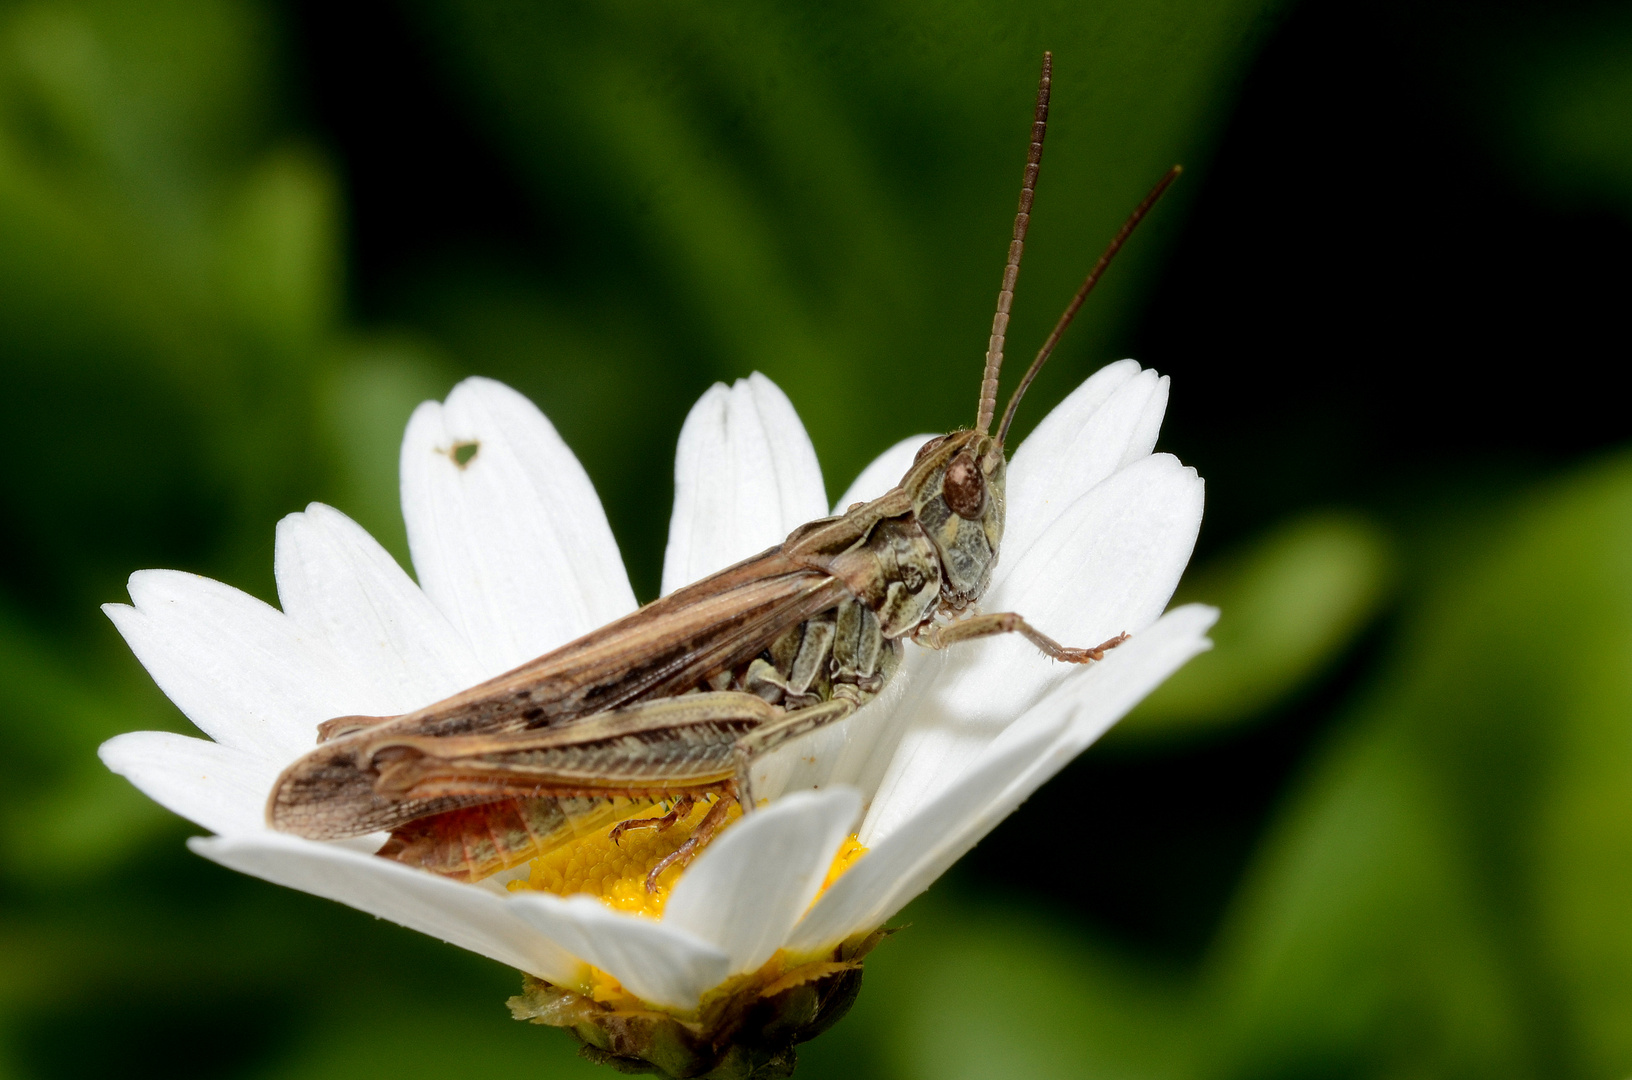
(336, 581)
(1107, 692)
(652, 960)
(885, 471)
(1059, 429)
(1148, 428)
(511, 545)
(1111, 560)
(928, 841)
(745, 475)
(1108, 422)
(212, 785)
(857, 900)
(751, 885)
(470, 918)
(250, 677)
(1062, 427)
(1092, 701)
(1108, 564)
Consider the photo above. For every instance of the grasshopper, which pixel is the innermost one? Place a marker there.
(672, 703)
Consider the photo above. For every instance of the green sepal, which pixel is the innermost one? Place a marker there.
(748, 1033)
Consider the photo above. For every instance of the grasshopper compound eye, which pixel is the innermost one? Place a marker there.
(964, 486)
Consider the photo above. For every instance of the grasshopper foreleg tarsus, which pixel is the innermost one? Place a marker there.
(712, 823)
(1007, 622)
(682, 806)
(1070, 655)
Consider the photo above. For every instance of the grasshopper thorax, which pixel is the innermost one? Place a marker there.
(956, 487)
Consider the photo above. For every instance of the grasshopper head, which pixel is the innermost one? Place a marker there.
(956, 485)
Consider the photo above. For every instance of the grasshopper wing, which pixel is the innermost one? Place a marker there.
(671, 646)
(376, 780)
(556, 783)
(475, 842)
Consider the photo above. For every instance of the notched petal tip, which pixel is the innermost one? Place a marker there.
(208, 784)
(240, 670)
(745, 475)
(508, 536)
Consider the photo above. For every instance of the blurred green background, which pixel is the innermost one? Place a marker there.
(1384, 830)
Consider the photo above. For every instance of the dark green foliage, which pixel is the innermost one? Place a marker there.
(212, 311)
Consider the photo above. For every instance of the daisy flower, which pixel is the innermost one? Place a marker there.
(763, 933)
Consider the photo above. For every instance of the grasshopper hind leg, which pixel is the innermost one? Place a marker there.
(707, 829)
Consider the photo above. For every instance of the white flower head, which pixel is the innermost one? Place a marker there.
(514, 558)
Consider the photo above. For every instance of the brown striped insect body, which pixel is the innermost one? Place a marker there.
(676, 700)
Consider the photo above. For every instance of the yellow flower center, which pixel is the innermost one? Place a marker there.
(615, 873)
(849, 853)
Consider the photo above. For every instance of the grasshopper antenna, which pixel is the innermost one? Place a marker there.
(1076, 301)
(1017, 246)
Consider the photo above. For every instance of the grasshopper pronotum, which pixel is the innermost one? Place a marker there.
(676, 700)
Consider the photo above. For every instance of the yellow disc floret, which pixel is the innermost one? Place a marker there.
(847, 856)
(615, 872)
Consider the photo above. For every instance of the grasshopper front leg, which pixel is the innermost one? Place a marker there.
(1007, 622)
